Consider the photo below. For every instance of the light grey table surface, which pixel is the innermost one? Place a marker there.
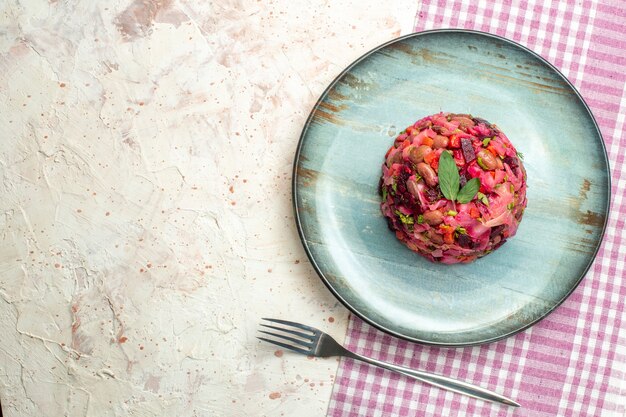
(147, 222)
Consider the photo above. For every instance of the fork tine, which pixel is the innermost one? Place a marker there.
(286, 346)
(294, 324)
(294, 332)
(291, 339)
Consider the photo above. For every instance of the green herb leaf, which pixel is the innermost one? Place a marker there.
(520, 156)
(468, 191)
(384, 193)
(510, 206)
(406, 219)
(420, 219)
(483, 198)
(461, 230)
(486, 142)
(394, 187)
(448, 176)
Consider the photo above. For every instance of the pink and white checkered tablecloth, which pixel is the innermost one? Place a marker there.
(573, 363)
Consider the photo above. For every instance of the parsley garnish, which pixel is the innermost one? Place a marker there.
(406, 219)
(483, 198)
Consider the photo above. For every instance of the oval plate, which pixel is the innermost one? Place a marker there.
(338, 166)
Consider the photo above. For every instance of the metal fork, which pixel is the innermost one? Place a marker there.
(311, 341)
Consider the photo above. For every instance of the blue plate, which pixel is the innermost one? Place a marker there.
(338, 165)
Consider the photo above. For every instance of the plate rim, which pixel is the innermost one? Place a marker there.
(320, 273)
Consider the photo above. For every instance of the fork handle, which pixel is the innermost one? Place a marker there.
(440, 381)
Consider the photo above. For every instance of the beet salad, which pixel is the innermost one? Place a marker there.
(453, 187)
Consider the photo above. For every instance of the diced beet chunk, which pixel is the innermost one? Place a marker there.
(478, 120)
(512, 162)
(432, 195)
(465, 241)
(468, 150)
(495, 231)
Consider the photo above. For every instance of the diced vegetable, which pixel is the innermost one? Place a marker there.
(468, 150)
